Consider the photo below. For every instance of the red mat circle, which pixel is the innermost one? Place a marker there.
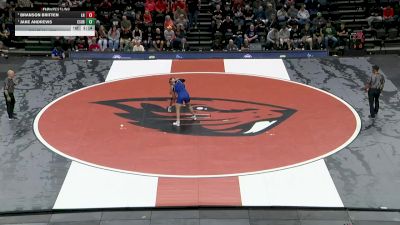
(91, 133)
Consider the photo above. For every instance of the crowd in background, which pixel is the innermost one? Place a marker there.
(289, 24)
(162, 25)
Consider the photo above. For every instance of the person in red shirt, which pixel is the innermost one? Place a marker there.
(388, 13)
(179, 3)
(161, 7)
(150, 5)
(93, 45)
(168, 22)
(147, 19)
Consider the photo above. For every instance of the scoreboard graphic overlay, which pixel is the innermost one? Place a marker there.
(55, 22)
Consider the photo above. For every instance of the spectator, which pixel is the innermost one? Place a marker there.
(248, 15)
(260, 14)
(102, 38)
(181, 20)
(150, 6)
(5, 34)
(160, 9)
(93, 45)
(270, 11)
(284, 38)
(319, 21)
(137, 33)
(158, 40)
(295, 37)
(113, 38)
(251, 34)
(231, 46)
(81, 43)
(245, 46)
(388, 12)
(218, 41)
(375, 16)
(272, 39)
(307, 36)
(57, 53)
(342, 34)
(236, 4)
(169, 36)
(184, 46)
(293, 21)
(238, 36)
(282, 15)
(138, 47)
(139, 5)
(130, 13)
(217, 16)
(179, 4)
(330, 35)
(260, 26)
(178, 12)
(69, 43)
(193, 11)
(318, 37)
(312, 5)
(126, 37)
(257, 3)
(147, 19)
(168, 22)
(139, 21)
(147, 37)
(238, 17)
(126, 24)
(228, 10)
(115, 21)
(303, 15)
(292, 11)
(227, 26)
(273, 22)
(179, 35)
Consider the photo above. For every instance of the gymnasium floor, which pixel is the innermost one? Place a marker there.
(262, 137)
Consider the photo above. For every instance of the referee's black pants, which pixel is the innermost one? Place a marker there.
(373, 97)
(10, 105)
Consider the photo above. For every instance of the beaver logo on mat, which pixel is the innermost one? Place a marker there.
(216, 117)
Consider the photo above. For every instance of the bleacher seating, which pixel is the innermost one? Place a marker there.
(382, 38)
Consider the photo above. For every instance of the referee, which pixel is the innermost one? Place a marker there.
(9, 85)
(374, 88)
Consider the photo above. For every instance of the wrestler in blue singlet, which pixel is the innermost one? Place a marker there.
(180, 90)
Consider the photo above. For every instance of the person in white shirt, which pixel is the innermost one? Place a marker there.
(303, 15)
(273, 39)
(284, 38)
(169, 35)
(138, 47)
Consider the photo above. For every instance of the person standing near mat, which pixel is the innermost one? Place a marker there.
(374, 87)
(9, 86)
(182, 97)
